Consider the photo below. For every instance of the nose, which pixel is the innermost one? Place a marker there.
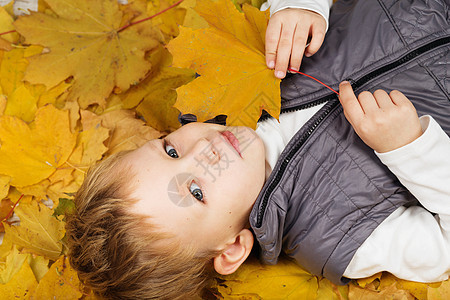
(204, 152)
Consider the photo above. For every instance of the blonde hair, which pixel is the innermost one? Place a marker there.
(121, 255)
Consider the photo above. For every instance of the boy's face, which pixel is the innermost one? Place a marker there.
(199, 182)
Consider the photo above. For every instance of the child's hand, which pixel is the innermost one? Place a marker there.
(286, 37)
(384, 122)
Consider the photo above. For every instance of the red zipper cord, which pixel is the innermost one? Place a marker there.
(292, 70)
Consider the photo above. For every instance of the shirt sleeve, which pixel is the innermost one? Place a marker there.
(414, 243)
(322, 7)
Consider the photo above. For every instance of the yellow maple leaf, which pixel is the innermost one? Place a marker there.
(168, 21)
(229, 56)
(2, 104)
(31, 154)
(38, 190)
(62, 174)
(12, 265)
(53, 190)
(5, 45)
(6, 21)
(23, 98)
(157, 103)
(255, 3)
(390, 292)
(249, 28)
(192, 19)
(90, 147)
(439, 293)
(5, 249)
(155, 95)
(74, 114)
(127, 132)
(286, 281)
(58, 185)
(13, 66)
(363, 282)
(4, 186)
(417, 289)
(60, 282)
(51, 96)
(59, 190)
(22, 283)
(330, 291)
(39, 266)
(160, 114)
(21, 103)
(85, 41)
(38, 232)
(9, 8)
(5, 207)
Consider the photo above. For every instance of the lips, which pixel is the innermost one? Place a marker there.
(232, 140)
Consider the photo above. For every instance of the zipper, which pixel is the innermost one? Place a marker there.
(334, 102)
(327, 110)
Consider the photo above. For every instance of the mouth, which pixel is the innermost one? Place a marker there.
(232, 140)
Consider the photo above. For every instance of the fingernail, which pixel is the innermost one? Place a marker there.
(279, 74)
(345, 82)
(271, 64)
(308, 54)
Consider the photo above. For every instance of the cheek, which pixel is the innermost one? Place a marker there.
(242, 184)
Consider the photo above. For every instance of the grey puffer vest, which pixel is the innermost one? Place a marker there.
(328, 190)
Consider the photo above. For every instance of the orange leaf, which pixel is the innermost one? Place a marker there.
(229, 56)
(60, 282)
(29, 155)
(85, 41)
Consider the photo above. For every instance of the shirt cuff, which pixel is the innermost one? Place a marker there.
(432, 134)
(320, 7)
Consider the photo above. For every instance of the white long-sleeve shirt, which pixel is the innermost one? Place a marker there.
(322, 7)
(411, 243)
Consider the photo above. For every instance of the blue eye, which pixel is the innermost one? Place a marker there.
(170, 150)
(196, 191)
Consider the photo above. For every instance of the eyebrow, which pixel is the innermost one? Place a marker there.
(159, 147)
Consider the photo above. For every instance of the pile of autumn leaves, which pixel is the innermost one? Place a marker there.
(80, 80)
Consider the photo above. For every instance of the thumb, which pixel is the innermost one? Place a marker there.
(351, 105)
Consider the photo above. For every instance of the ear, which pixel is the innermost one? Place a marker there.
(235, 253)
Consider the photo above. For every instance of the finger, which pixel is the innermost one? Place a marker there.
(383, 100)
(298, 46)
(317, 37)
(272, 38)
(368, 102)
(399, 99)
(350, 103)
(284, 51)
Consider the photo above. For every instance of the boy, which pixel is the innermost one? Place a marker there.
(210, 215)
(145, 227)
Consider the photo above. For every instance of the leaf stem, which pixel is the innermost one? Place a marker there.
(128, 25)
(11, 211)
(11, 31)
(151, 17)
